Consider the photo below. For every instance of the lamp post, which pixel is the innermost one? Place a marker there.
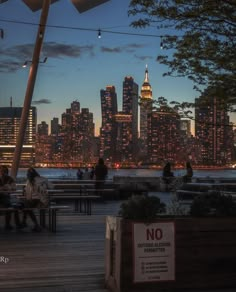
(30, 88)
(28, 61)
(34, 5)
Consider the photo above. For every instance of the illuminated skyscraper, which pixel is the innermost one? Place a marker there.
(43, 128)
(124, 144)
(43, 145)
(86, 135)
(108, 130)
(77, 134)
(163, 136)
(9, 129)
(213, 131)
(145, 109)
(130, 107)
(55, 126)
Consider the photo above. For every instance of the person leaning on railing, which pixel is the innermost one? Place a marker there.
(189, 173)
(100, 172)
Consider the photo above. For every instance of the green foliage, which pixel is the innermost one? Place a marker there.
(213, 203)
(175, 208)
(140, 207)
(200, 35)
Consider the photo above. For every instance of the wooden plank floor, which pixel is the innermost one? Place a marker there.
(70, 260)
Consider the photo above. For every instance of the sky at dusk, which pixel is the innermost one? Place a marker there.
(80, 64)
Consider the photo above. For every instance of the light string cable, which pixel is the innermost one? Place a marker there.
(100, 31)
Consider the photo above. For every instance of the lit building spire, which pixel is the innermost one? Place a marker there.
(145, 109)
(146, 75)
(146, 90)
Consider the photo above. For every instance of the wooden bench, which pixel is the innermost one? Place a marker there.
(188, 195)
(82, 203)
(51, 211)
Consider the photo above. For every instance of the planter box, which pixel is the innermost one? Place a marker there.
(204, 255)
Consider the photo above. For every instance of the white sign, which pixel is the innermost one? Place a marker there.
(154, 252)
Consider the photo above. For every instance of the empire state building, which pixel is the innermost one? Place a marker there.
(145, 109)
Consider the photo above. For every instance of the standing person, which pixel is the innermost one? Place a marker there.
(36, 195)
(189, 173)
(79, 174)
(92, 172)
(86, 174)
(100, 172)
(167, 176)
(167, 171)
(7, 184)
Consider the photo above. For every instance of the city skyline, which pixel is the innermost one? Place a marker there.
(80, 64)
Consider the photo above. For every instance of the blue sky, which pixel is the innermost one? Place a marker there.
(79, 64)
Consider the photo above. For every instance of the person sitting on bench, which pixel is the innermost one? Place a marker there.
(7, 184)
(36, 196)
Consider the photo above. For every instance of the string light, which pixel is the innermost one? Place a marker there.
(26, 62)
(161, 44)
(99, 33)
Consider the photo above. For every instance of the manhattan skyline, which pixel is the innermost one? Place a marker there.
(80, 64)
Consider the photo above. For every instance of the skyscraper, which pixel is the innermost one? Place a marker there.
(77, 134)
(55, 126)
(124, 144)
(108, 130)
(145, 109)
(9, 129)
(130, 107)
(86, 135)
(43, 128)
(163, 136)
(213, 130)
(43, 145)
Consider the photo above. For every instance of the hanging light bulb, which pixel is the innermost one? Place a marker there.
(25, 64)
(99, 33)
(161, 43)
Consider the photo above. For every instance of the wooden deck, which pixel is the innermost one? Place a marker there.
(70, 260)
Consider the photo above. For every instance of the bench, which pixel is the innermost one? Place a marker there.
(51, 211)
(188, 195)
(80, 201)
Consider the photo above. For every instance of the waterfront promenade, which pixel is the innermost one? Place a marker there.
(67, 261)
(71, 260)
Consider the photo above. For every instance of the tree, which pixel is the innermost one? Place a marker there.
(202, 36)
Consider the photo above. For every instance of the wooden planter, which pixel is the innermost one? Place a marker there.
(204, 255)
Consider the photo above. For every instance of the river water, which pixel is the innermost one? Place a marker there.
(71, 173)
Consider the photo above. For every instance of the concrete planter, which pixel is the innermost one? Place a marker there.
(204, 255)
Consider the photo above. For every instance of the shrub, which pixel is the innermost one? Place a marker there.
(140, 207)
(213, 203)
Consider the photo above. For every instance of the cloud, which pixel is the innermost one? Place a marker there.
(41, 101)
(56, 50)
(143, 58)
(111, 50)
(9, 66)
(13, 58)
(130, 48)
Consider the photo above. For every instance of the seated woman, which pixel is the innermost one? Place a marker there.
(36, 196)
